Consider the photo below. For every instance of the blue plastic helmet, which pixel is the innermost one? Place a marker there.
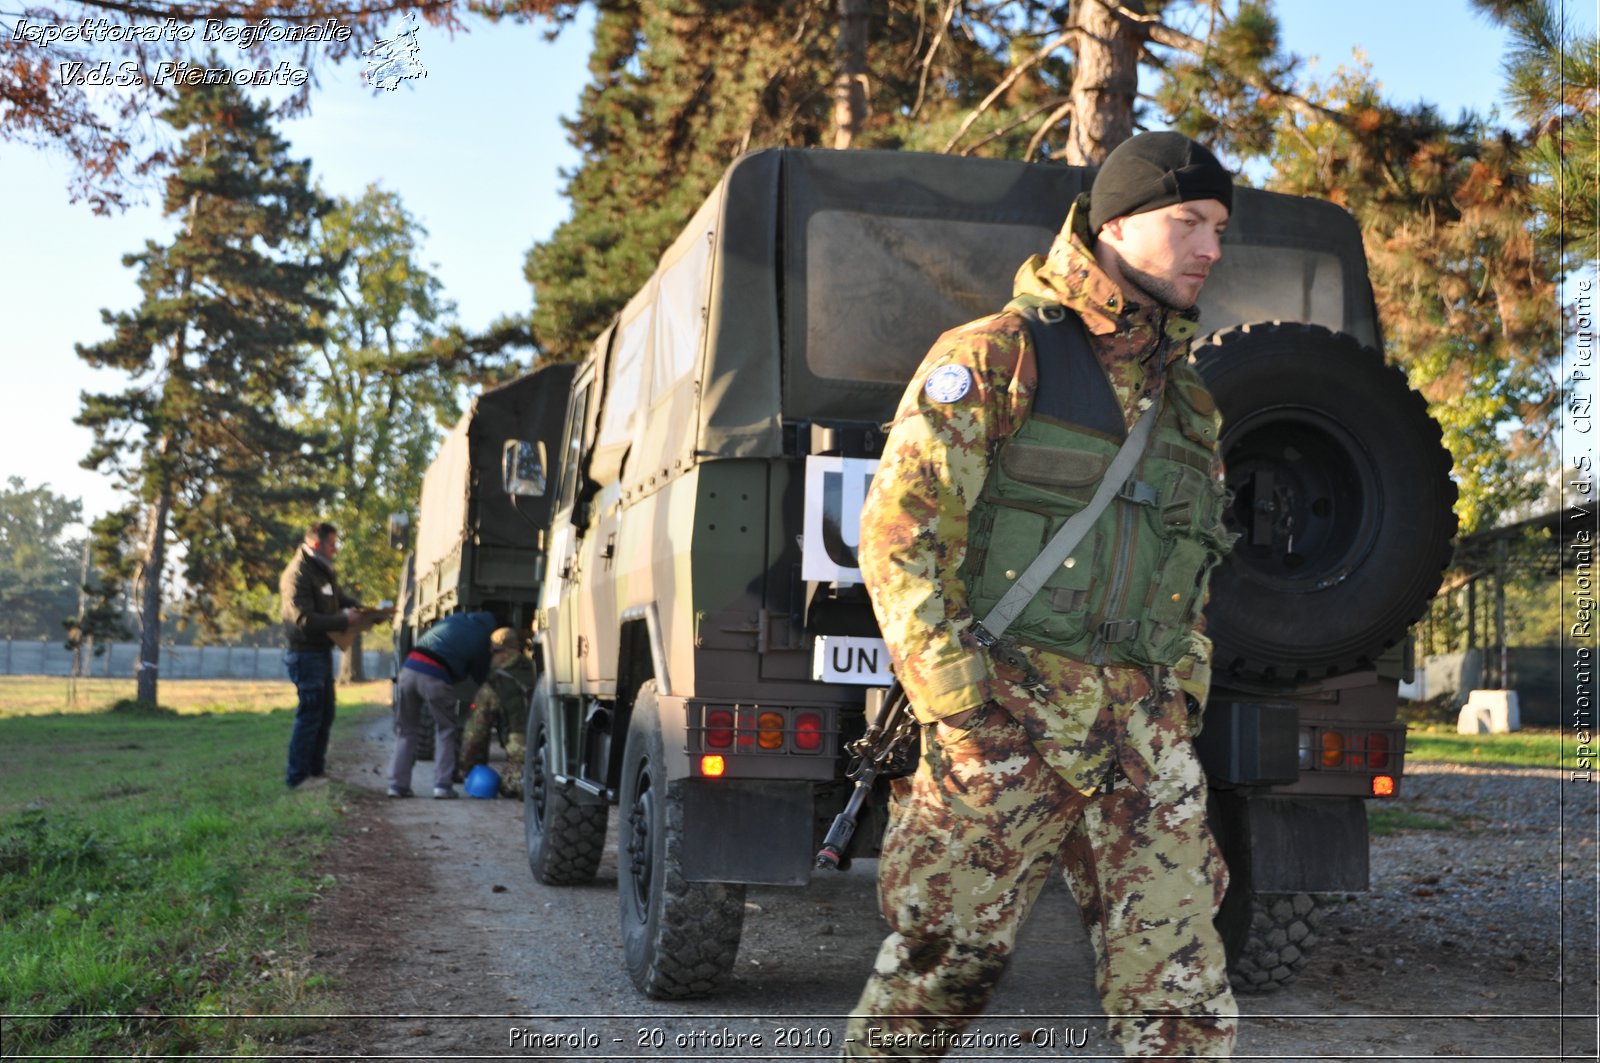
(483, 781)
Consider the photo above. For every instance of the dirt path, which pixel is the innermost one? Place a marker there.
(444, 947)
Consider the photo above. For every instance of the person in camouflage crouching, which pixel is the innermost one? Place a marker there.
(1068, 743)
(501, 707)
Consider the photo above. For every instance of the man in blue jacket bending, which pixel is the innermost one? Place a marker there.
(454, 649)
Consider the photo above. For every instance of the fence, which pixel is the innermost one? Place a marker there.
(1536, 673)
(120, 660)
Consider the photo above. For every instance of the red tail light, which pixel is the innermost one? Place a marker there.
(808, 732)
(719, 728)
(1383, 786)
(1377, 751)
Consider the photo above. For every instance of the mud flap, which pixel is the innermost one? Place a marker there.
(748, 830)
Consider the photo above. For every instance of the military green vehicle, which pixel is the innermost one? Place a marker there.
(707, 650)
(477, 543)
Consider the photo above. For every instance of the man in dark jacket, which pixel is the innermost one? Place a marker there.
(312, 606)
(454, 649)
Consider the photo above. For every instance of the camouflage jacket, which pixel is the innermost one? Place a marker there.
(937, 457)
(507, 689)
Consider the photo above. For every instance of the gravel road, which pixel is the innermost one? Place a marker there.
(1477, 940)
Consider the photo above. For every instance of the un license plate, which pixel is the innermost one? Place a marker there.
(851, 659)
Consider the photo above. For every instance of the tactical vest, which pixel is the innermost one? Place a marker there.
(1135, 585)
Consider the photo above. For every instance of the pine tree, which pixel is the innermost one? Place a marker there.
(214, 351)
(1553, 82)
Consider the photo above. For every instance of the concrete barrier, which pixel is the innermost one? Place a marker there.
(1489, 712)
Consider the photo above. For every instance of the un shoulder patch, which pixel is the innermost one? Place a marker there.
(948, 383)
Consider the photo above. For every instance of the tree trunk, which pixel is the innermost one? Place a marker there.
(78, 649)
(155, 559)
(850, 79)
(1105, 80)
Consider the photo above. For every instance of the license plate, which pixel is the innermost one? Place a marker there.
(851, 659)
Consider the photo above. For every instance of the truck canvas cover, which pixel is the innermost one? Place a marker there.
(462, 499)
(898, 247)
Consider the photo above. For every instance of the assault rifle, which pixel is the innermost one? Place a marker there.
(887, 748)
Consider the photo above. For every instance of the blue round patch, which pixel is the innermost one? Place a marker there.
(948, 383)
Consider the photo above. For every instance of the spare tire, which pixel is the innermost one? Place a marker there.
(1342, 500)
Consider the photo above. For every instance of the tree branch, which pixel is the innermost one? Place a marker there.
(1055, 119)
(1005, 83)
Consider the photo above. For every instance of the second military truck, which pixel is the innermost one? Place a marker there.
(478, 545)
(706, 648)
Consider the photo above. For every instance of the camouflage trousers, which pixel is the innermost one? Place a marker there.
(475, 737)
(481, 724)
(974, 834)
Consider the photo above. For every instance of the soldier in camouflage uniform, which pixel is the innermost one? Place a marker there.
(501, 707)
(1069, 744)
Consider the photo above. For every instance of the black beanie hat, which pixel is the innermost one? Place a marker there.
(1154, 170)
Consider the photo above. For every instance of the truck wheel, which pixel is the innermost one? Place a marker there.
(679, 937)
(1342, 498)
(565, 838)
(1281, 932)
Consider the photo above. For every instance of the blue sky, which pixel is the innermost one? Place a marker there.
(476, 150)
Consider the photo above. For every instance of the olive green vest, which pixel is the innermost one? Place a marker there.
(1134, 587)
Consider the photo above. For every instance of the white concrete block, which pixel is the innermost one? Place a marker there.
(1490, 712)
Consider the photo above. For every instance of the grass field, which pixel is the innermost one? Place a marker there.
(155, 874)
(1530, 748)
(45, 695)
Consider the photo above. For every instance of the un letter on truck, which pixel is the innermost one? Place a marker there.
(836, 489)
(849, 659)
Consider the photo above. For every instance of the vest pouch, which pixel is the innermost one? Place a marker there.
(1018, 536)
(1175, 599)
(1196, 410)
(1192, 503)
(1053, 472)
(1062, 605)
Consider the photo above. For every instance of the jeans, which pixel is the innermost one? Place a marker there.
(311, 671)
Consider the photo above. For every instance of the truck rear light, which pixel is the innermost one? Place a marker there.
(712, 765)
(769, 728)
(1383, 786)
(1378, 751)
(808, 732)
(719, 729)
(1332, 749)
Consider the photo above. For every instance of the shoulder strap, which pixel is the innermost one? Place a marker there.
(1072, 386)
(1066, 539)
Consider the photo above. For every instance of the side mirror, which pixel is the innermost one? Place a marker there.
(522, 468)
(399, 530)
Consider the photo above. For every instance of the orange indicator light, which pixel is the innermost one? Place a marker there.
(1383, 786)
(712, 765)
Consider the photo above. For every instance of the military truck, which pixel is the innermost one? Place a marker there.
(477, 544)
(707, 650)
